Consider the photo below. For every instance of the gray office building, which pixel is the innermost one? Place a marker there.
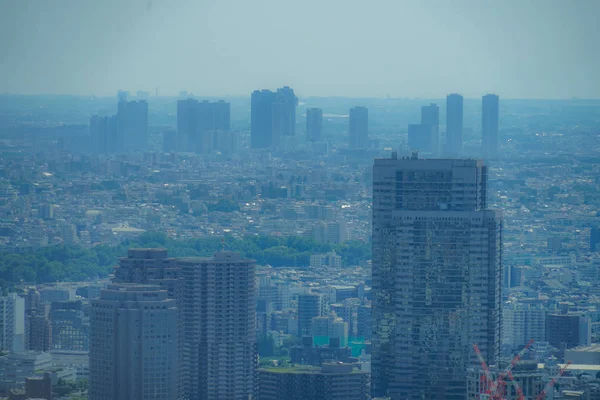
(314, 125)
(133, 344)
(489, 124)
(437, 252)
(454, 124)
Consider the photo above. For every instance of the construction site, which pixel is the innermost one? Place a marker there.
(524, 379)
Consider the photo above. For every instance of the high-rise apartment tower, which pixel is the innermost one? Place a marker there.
(219, 325)
(436, 276)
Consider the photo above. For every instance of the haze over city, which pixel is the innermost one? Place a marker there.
(309, 200)
(523, 49)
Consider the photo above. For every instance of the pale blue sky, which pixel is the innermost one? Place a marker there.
(368, 48)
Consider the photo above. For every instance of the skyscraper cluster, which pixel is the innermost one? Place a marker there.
(273, 118)
(125, 131)
(437, 252)
(201, 123)
(175, 328)
(426, 136)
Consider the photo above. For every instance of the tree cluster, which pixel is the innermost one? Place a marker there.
(76, 263)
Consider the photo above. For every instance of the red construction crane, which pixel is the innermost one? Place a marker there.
(492, 387)
(552, 382)
(500, 381)
(520, 395)
(489, 380)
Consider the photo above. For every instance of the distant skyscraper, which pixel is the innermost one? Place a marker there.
(196, 122)
(284, 118)
(261, 130)
(200, 141)
(454, 124)
(314, 124)
(133, 344)
(436, 276)
(222, 116)
(187, 121)
(132, 118)
(489, 124)
(219, 321)
(273, 117)
(430, 116)
(104, 132)
(359, 127)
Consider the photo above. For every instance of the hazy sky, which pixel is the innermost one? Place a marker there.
(375, 48)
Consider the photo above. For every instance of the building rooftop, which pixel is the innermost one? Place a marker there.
(592, 348)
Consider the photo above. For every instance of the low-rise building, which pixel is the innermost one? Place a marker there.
(331, 381)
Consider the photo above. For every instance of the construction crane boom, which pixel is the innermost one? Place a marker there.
(552, 382)
(488, 375)
(511, 365)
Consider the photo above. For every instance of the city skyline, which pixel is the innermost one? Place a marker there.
(317, 200)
